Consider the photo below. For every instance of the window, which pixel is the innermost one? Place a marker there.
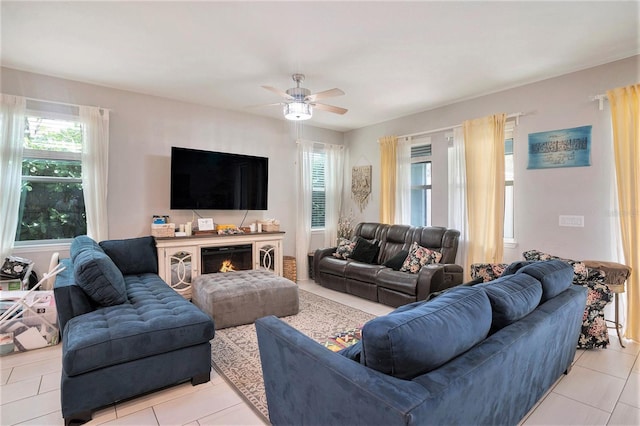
(51, 199)
(318, 195)
(421, 185)
(508, 184)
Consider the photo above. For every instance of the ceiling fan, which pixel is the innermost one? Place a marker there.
(299, 102)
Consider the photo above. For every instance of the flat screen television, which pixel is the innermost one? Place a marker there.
(209, 180)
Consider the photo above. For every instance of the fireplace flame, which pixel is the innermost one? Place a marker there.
(227, 266)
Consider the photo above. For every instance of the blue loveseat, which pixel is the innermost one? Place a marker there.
(480, 354)
(125, 332)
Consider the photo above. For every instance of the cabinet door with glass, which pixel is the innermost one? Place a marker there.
(181, 267)
(267, 255)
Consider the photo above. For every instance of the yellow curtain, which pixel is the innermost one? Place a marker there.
(625, 118)
(388, 145)
(484, 157)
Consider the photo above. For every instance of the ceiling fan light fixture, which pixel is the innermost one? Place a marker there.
(297, 111)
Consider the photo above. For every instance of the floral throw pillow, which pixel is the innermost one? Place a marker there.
(418, 257)
(345, 248)
(487, 271)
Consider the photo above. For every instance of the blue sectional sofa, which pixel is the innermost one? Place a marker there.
(481, 354)
(125, 332)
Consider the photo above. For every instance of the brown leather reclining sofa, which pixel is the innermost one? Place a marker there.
(380, 283)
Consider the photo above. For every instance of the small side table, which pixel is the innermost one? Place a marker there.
(616, 275)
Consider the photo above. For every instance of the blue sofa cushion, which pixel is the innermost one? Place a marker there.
(352, 352)
(99, 277)
(512, 297)
(80, 244)
(515, 267)
(555, 275)
(411, 342)
(157, 320)
(134, 255)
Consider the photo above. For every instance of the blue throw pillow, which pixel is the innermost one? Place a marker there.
(81, 243)
(555, 275)
(99, 277)
(411, 342)
(512, 298)
(133, 256)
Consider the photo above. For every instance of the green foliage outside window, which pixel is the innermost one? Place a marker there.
(51, 201)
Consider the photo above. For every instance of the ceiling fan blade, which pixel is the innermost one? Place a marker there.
(324, 94)
(330, 108)
(265, 105)
(279, 92)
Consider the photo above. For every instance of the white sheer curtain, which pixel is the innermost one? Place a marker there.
(333, 181)
(403, 182)
(95, 168)
(303, 228)
(458, 197)
(12, 112)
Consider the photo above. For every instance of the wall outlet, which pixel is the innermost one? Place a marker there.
(570, 220)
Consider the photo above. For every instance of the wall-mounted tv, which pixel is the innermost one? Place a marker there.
(209, 180)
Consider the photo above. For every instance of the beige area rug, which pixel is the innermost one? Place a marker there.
(235, 352)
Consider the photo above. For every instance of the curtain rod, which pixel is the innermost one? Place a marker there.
(319, 143)
(517, 115)
(63, 103)
(600, 99)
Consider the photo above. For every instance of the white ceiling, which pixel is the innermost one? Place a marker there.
(391, 58)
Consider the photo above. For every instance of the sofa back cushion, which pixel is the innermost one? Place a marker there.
(438, 238)
(555, 275)
(409, 342)
(133, 256)
(512, 297)
(371, 231)
(98, 276)
(395, 241)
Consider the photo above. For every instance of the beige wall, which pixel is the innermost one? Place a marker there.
(540, 195)
(143, 129)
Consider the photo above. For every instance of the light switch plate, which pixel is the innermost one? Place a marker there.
(572, 220)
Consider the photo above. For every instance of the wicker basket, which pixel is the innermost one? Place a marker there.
(289, 266)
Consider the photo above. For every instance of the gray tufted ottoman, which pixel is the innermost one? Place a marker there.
(241, 297)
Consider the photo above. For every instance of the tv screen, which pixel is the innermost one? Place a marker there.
(217, 180)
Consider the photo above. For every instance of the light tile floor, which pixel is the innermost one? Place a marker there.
(602, 388)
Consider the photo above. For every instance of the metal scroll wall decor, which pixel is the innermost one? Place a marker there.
(361, 185)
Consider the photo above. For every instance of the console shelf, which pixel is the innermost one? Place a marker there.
(180, 262)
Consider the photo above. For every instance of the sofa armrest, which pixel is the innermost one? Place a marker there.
(453, 275)
(318, 255)
(306, 383)
(437, 277)
(71, 299)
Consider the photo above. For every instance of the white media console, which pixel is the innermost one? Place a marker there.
(180, 259)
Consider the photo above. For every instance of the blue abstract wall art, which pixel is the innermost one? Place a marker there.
(560, 148)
